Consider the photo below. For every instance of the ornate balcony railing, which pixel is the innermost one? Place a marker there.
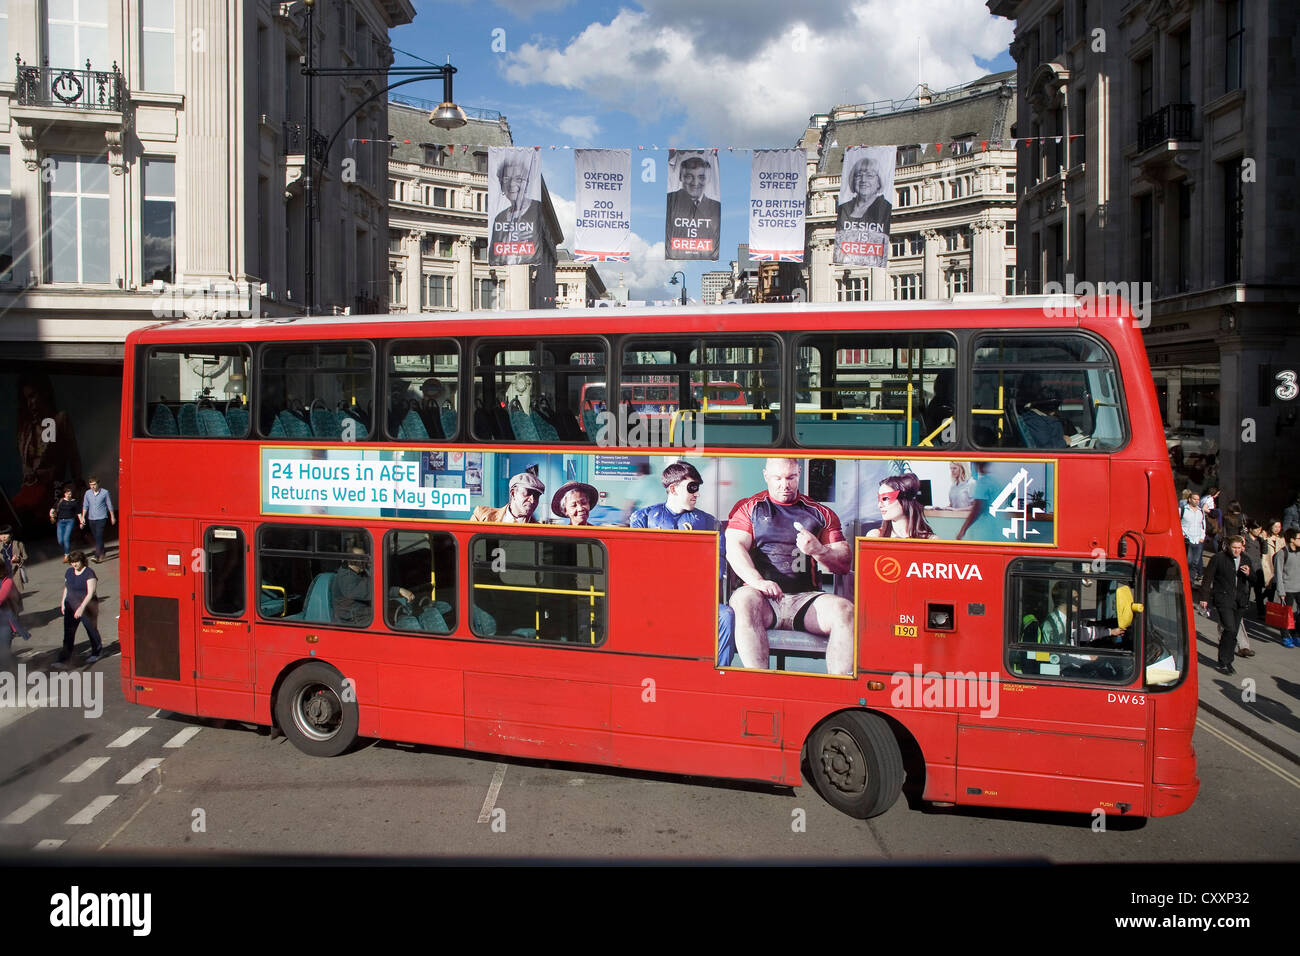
(1169, 122)
(296, 140)
(71, 89)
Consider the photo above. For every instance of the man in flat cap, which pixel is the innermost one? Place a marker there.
(525, 491)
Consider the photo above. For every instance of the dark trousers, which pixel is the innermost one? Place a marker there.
(97, 529)
(90, 620)
(1229, 621)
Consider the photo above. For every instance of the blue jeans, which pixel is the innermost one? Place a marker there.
(97, 529)
(1194, 563)
(63, 530)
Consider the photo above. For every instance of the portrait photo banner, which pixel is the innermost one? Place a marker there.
(778, 190)
(694, 218)
(865, 205)
(515, 205)
(603, 230)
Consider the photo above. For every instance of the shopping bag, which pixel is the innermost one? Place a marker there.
(1279, 615)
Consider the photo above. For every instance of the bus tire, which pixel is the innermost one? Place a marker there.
(313, 711)
(855, 763)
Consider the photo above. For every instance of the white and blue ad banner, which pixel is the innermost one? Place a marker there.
(865, 205)
(778, 190)
(603, 230)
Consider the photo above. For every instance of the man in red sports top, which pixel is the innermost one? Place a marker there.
(770, 538)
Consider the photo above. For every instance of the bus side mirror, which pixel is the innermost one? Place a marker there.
(1124, 606)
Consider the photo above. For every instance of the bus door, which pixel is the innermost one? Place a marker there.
(1068, 726)
(223, 672)
(162, 586)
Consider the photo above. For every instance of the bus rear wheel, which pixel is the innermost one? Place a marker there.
(315, 713)
(855, 763)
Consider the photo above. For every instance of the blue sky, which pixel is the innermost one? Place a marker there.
(736, 74)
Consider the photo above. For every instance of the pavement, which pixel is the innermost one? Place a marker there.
(1262, 700)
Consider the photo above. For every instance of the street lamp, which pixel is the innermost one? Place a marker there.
(673, 281)
(447, 116)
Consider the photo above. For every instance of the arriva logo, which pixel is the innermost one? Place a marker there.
(944, 572)
(888, 569)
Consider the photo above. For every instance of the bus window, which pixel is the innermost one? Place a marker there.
(1062, 622)
(1039, 391)
(195, 392)
(223, 592)
(1165, 620)
(423, 390)
(420, 581)
(317, 391)
(881, 390)
(315, 575)
(543, 589)
(531, 391)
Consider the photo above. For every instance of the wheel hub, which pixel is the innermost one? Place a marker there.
(843, 764)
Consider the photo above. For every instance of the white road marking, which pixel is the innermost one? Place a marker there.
(489, 801)
(1258, 758)
(91, 810)
(154, 714)
(130, 737)
(85, 770)
(32, 807)
(11, 715)
(181, 739)
(49, 844)
(142, 770)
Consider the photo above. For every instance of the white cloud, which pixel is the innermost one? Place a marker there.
(751, 74)
(581, 129)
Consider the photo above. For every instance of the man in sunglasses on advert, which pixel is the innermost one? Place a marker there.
(773, 538)
(682, 483)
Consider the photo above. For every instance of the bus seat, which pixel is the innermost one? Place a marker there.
(521, 423)
(292, 426)
(237, 420)
(545, 430)
(324, 424)
(212, 423)
(407, 623)
(412, 427)
(447, 415)
(431, 619)
(590, 423)
(483, 622)
(317, 606)
(187, 419)
(273, 601)
(162, 421)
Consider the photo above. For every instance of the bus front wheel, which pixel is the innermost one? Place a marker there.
(855, 763)
(317, 711)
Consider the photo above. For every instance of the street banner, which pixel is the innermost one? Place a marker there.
(694, 217)
(603, 230)
(778, 190)
(862, 215)
(515, 205)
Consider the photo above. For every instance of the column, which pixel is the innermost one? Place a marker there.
(414, 270)
(986, 257)
(821, 271)
(464, 276)
(206, 211)
(931, 283)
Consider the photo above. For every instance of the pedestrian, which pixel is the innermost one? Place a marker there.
(79, 603)
(64, 516)
(1227, 584)
(97, 509)
(1286, 579)
(1256, 542)
(1193, 521)
(1234, 521)
(1273, 543)
(11, 606)
(13, 555)
(1213, 518)
(1291, 513)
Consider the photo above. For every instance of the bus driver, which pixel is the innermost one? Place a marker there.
(770, 536)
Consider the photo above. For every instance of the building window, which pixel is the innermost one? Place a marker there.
(1011, 183)
(396, 190)
(480, 202)
(1080, 247)
(1146, 238)
(395, 237)
(4, 27)
(958, 188)
(907, 286)
(480, 162)
(1183, 42)
(904, 196)
(490, 294)
(157, 46)
(958, 281)
(395, 287)
(1184, 236)
(6, 218)
(907, 156)
(1233, 217)
(955, 239)
(1145, 87)
(1011, 280)
(852, 289)
(77, 31)
(1036, 155)
(158, 221)
(897, 245)
(437, 292)
(77, 219)
(435, 156)
(440, 197)
(917, 244)
(1058, 252)
(1010, 233)
(1235, 54)
(1058, 31)
(481, 250)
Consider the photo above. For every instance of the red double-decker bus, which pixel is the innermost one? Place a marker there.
(935, 547)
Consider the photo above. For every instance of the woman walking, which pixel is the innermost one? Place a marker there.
(64, 516)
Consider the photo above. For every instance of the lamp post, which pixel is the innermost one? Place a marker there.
(673, 281)
(447, 116)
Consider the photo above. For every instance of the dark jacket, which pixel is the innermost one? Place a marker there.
(1223, 585)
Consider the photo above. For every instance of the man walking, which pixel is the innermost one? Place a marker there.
(1193, 521)
(97, 508)
(1227, 584)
